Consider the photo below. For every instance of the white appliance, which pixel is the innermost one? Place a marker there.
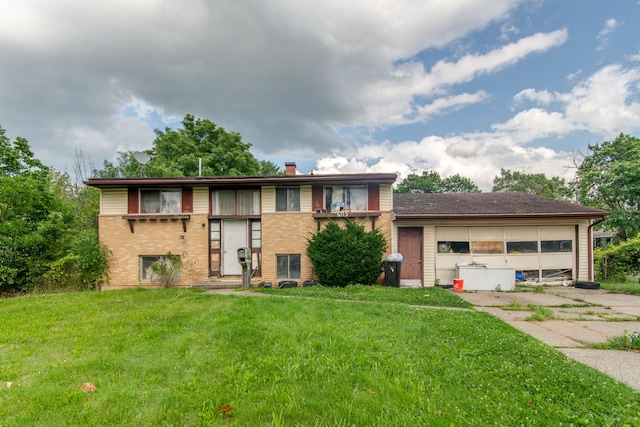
(480, 277)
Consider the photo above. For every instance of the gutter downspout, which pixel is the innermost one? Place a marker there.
(590, 252)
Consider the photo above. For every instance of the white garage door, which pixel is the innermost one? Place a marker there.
(538, 253)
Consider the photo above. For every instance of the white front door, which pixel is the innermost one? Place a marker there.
(234, 236)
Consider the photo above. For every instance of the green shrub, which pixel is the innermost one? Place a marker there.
(83, 268)
(618, 262)
(166, 270)
(346, 256)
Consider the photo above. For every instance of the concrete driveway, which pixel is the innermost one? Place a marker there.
(581, 317)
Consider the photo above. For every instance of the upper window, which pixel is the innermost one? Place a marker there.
(288, 199)
(345, 198)
(161, 201)
(235, 202)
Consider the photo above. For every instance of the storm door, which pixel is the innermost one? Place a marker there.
(234, 236)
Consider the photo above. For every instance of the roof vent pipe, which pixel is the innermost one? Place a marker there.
(199, 166)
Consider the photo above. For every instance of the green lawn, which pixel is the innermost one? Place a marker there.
(172, 357)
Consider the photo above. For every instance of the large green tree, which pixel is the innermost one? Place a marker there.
(200, 146)
(609, 178)
(431, 182)
(221, 153)
(532, 183)
(48, 233)
(33, 222)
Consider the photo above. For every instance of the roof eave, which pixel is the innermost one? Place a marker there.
(581, 215)
(242, 181)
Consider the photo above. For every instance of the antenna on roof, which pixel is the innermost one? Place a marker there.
(142, 158)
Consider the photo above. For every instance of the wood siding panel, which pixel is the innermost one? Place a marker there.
(201, 200)
(268, 199)
(305, 198)
(386, 197)
(374, 197)
(317, 197)
(113, 201)
(187, 200)
(133, 201)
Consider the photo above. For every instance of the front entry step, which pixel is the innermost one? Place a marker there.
(225, 282)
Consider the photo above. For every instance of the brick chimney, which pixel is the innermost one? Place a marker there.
(290, 168)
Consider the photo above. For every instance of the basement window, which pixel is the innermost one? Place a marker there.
(288, 266)
(146, 267)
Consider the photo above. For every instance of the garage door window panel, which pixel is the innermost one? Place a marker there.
(447, 247)
(527, 247)
(487, 247)
(548, 246)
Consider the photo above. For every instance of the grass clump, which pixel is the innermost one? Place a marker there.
(540, 313)
(622, 342)
(185, 358)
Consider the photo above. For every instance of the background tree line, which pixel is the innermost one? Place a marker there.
(48, 222)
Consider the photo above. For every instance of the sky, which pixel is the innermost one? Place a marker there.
(465, 87)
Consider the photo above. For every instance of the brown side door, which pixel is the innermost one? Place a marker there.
(410, 246)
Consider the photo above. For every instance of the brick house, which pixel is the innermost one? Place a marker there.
(206, 219)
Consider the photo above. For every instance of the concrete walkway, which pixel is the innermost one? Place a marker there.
(581, 317)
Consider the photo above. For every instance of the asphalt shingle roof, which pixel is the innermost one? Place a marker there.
(486, 204)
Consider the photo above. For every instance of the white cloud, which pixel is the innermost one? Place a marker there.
(603, 104)
(280, 72)
(507, 30)
(540, 97)
(389, 101)
(603, 36)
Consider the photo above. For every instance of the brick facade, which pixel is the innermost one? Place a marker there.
(131, 232)
(287, 233)
(154, 237)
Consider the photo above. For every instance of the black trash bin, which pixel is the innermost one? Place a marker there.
(392, 268)
(392, 273)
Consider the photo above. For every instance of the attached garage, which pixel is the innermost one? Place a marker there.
(537, 252)
(542, 239)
